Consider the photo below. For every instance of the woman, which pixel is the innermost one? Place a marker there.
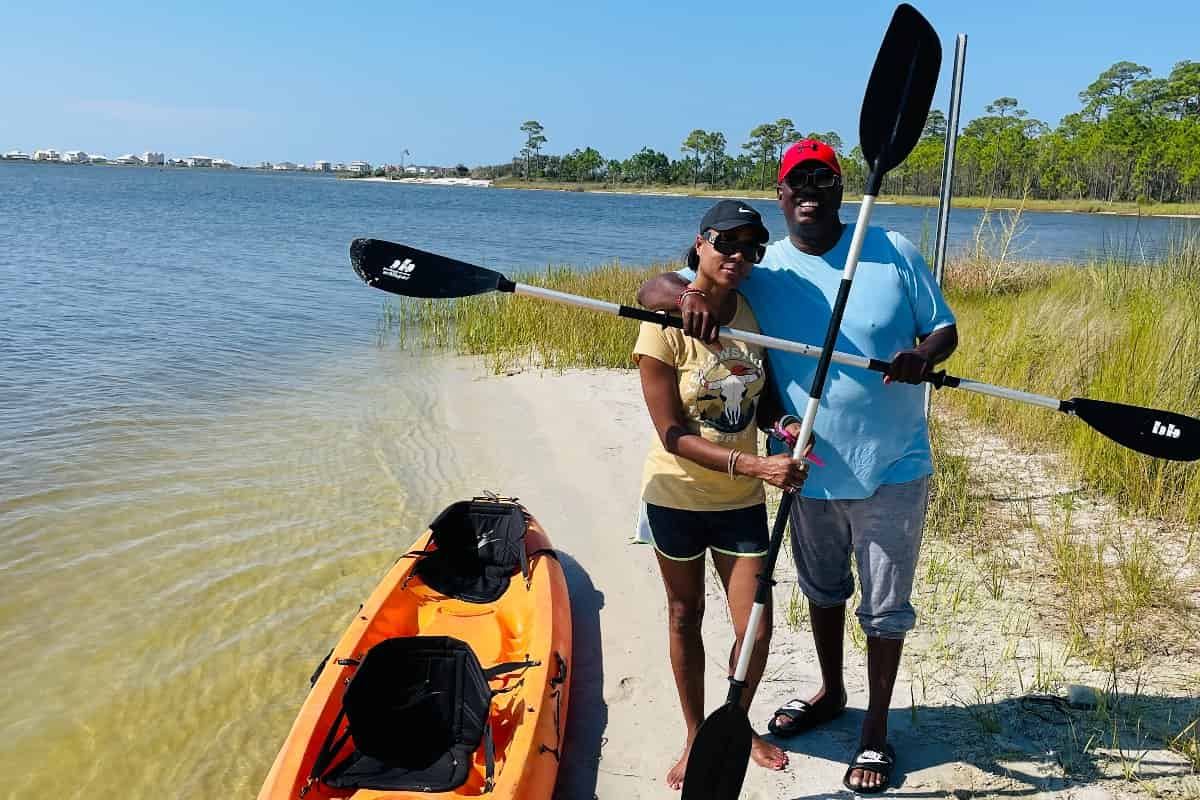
(702, 486)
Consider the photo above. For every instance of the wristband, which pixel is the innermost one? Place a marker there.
(685, 293)
(784, 435)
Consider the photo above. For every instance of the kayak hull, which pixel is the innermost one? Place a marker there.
(531, 620)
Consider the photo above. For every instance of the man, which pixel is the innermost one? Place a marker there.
(869, 498)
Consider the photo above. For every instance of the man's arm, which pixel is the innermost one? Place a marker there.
(659, 293)
(700, 319)
(911, 366)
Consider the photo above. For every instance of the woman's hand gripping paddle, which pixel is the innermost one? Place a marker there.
(893, 115)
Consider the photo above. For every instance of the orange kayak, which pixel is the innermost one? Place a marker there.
(452, 680)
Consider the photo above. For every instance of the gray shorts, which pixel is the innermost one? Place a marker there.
(884, 533)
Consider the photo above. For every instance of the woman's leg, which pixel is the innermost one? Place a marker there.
(739, 575)
(684, 582)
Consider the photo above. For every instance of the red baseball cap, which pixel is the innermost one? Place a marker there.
(808, 150)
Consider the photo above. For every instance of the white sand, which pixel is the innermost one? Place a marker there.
(571, 447)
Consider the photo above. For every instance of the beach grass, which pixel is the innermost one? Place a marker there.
(1110, 330)
(513, 332)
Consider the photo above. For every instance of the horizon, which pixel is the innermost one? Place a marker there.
(453, 84)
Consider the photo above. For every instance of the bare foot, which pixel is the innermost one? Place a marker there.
(766, 754)
(676, 773)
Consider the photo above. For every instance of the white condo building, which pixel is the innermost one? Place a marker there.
(98, 159)
(76, 157)
(129, 159)
(360, 167)
(199, 161)
(16, 155)
(46, 155)
(153, 159)
(322, 166)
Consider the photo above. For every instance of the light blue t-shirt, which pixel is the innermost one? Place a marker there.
(868, 433)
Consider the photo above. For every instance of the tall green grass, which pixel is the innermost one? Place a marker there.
(514, 332)
(1109, 330)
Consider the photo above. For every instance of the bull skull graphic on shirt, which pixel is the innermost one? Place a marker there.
(728, 390)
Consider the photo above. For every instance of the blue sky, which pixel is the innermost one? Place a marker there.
(453, 81)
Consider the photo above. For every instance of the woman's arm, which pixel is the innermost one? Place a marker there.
(660, 388)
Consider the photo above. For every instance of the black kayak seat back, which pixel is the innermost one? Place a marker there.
(478, 546)
(417, 710)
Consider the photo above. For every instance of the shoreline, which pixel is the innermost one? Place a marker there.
(915, 201)
(473, 182)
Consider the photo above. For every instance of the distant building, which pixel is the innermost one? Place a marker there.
(152, 159)
(98, 159)
(410, 170)
(222, 163)
(199, 161)
(76, 157)
(339, 167)
(46, 155)
(322, 166)
(129, 159)
(360, 167)
(284, 166)
(16, 155)
(177, 162)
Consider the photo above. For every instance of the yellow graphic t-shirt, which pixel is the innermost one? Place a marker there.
(719, 386)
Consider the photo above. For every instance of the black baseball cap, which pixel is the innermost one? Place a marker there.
(729, 214)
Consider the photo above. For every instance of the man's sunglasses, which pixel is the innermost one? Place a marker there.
(820, 178)
(751, 251)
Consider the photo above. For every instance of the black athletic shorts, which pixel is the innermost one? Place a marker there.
(684, 535)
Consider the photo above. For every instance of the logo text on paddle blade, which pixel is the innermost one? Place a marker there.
(401, 270)
(1169, 430)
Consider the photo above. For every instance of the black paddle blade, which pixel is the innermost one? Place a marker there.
(407, 271)
(899, 92)
(720, 753)
(1162, 434)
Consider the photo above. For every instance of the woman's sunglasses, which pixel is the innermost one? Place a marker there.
(820, 178)
(751, 251)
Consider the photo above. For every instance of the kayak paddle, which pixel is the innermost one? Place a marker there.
(407, 271)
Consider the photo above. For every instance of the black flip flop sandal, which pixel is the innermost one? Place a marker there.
(802, 716)
(880, 762)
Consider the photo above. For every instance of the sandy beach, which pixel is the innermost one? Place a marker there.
(571, 445)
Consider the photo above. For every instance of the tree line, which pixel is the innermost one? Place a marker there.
(1135, 138)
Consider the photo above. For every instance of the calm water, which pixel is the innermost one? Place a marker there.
(207, 457)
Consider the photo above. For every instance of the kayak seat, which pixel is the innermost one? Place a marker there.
(476, 547)
(417, 710)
